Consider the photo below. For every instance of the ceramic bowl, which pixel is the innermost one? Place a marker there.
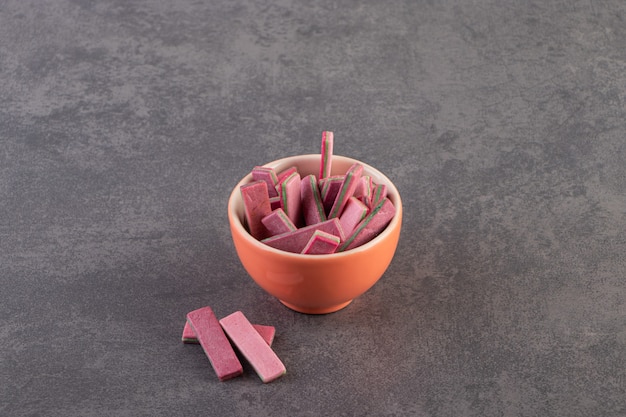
(315, 284)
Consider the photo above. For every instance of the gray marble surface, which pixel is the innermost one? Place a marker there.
(124, 126)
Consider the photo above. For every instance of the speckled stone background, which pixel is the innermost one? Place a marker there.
(124, 126)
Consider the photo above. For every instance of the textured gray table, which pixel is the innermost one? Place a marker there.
(125, 124)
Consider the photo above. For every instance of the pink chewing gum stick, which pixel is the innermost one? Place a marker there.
(375, 222)
(321, 243)
(379, 193)
(326, 154)
(189, 336)
(278, 222)
(289, 193)
(312, 207)
(296, 241)
(274, 203)
(215, 343)
(348, 186)
(252, 346)
(268, 175)
(285, 173)
(256, 206)
(353, 213)
(266, 332)
(329, 188)
(363, 190)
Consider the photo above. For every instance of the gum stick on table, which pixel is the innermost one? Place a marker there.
(348, 186)
(266, 332)
(260, 173)
(326, 154)
(296, 241)
(289, 193)
(321, 243)
(278, 222)
(353, 213)
(375, 222)
(312, 207)
(256, 206)
(252, 346)
(215, 343)
(189, 336)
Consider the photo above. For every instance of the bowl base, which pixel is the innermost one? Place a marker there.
(324, 310)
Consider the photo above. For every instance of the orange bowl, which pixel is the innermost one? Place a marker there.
(315, 284)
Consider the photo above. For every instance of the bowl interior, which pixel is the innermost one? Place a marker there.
(310, 164)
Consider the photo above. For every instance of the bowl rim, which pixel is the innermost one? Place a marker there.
(395, 222)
